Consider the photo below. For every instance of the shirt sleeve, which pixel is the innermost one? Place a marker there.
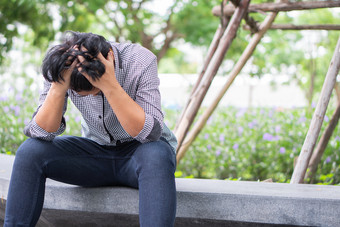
(149, 98)
(33, 130)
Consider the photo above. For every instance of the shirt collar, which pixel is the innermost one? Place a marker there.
(117, 57)
(118, 61)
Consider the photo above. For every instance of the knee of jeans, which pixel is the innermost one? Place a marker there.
(157, 156)
(31, 151)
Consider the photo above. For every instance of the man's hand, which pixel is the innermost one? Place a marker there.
(108, 80)
(64, 84)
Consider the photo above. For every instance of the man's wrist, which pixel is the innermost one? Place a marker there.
(58, 89)
(110, 88)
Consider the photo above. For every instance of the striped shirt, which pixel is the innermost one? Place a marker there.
(136, 72)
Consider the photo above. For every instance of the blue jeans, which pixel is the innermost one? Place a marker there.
(149, 167)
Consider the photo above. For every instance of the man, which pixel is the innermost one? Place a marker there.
(124, 140)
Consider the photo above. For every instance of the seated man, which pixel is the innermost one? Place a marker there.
(124, 140)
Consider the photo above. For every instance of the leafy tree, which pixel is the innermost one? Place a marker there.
(189, 20)
(131, 20)
(303, 55)
(34, 14)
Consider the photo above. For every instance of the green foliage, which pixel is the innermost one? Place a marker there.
(304, 55)
(255, 144)
(196, 22)
(236, 144)
(174, 61)
(118, 20)
(13, 116)
(34, 14)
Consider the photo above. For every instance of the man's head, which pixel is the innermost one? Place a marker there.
(61, 56)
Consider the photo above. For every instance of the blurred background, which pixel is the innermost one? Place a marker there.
(275, 94)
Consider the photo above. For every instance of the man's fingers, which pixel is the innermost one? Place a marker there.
(101, 57)
(108, 58)
(73, 65)
(83, 72)
(81, 59)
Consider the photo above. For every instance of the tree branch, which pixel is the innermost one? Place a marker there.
(276, 7)
(301, 27)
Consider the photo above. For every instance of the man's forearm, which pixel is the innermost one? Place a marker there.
(50, 113)
(130, 115)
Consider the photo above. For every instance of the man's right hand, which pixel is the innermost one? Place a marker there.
(64, 85)
(50, 114)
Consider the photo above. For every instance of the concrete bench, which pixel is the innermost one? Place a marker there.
(200, 203)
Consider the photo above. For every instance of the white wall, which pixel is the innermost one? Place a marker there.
(244, 92)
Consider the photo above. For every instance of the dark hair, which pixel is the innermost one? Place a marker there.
(59, 57)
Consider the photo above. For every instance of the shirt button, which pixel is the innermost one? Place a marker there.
(100, 117)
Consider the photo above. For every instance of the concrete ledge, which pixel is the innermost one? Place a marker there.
(200, 203)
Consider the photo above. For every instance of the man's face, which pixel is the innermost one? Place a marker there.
(94, 91)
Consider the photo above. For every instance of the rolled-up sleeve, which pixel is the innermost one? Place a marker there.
(149, 98)
(33, 130)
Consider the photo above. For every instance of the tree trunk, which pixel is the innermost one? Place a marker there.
(337, 91)
(316, 157)
(211, 71)
(319, 114)
(302, 27)
(166, 46)
(237, 68)
(277, 7)
(212, 48)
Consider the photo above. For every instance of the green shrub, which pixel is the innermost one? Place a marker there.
(246, 144)
(255, 144)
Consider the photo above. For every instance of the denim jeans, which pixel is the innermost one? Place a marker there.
(79, 161)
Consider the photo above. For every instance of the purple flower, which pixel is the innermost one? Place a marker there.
(326, 119)
(302, 119)
(337, 138)
(241, 112)
(218, 152)
(209, 121)
(313, 104)
(235, 147)
(251, 125)
(277, 128)
(270, 114)
(282, 150)
(240, 130)
(3, 98)
(16, 110)
(18, 97)
(206, 136)
(6, 109)
(328, 159)
(26, 121)
(222, 138)
(209, 147)
(268, 137)
(77, 119)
